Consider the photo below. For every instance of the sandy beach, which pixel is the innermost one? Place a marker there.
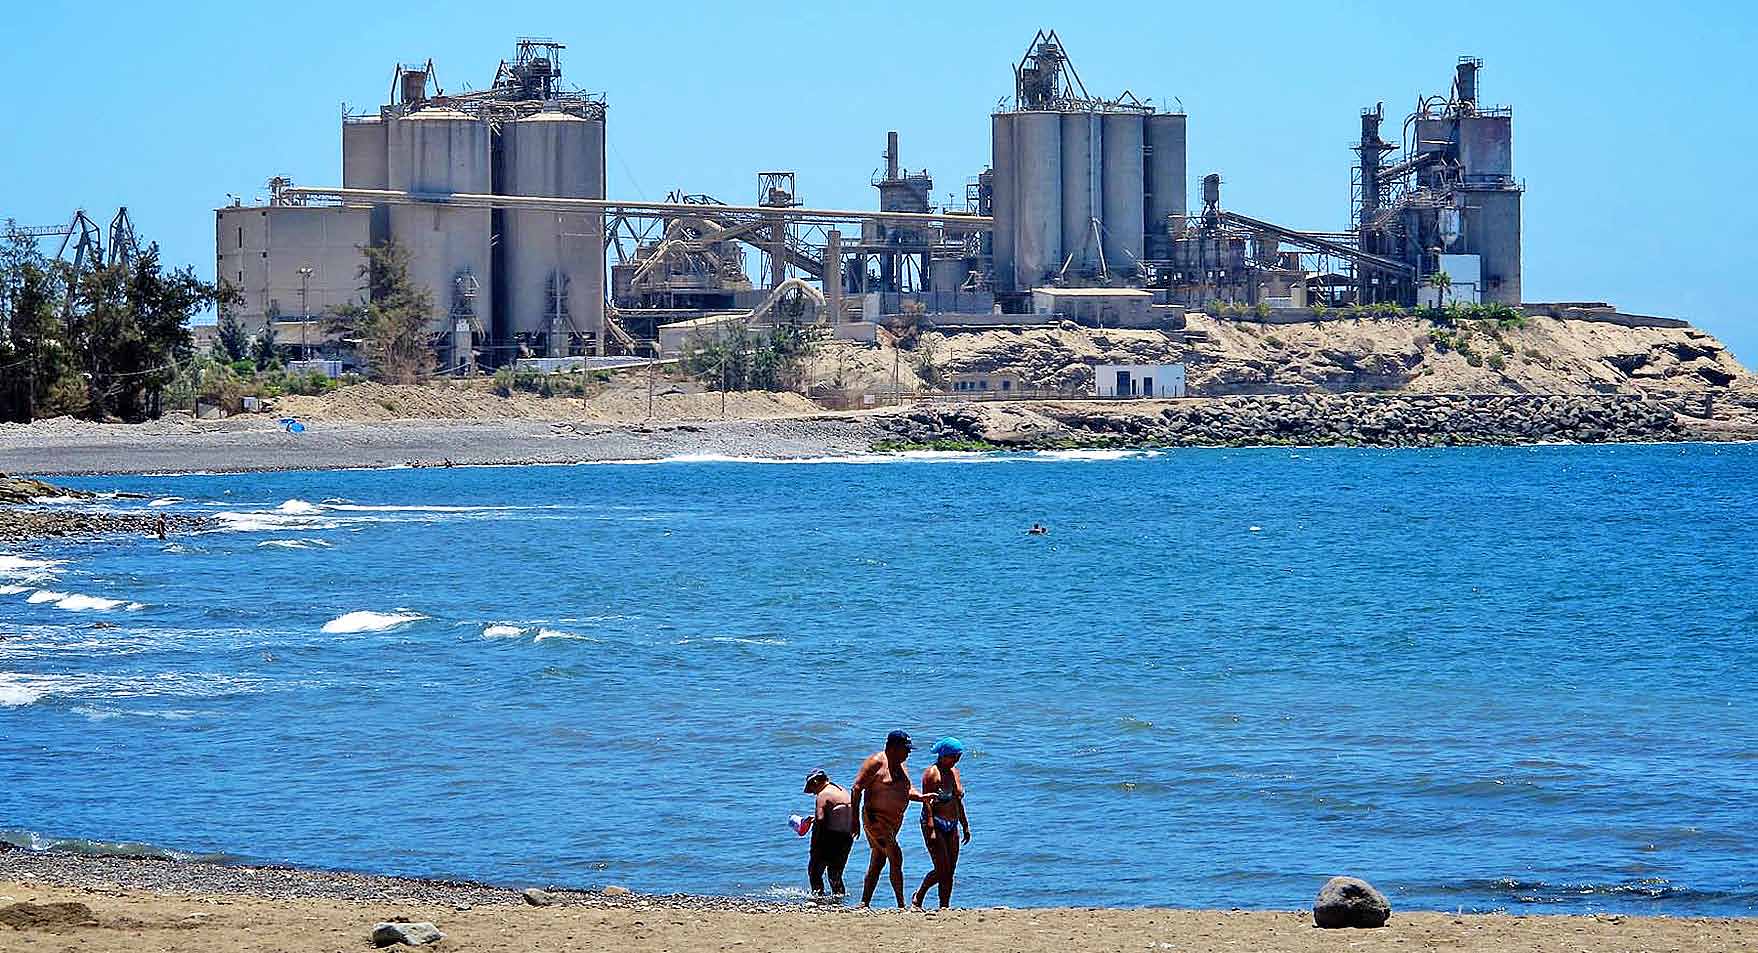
(151, 905)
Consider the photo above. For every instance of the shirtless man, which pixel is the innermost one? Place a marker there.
(833, 832)
(881, 796)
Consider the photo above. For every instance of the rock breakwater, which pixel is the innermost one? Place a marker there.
(1382, 420)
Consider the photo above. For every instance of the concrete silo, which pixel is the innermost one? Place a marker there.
(1037, 167)
(441, 151)
(1082, 165)
(1125, 188)
(366, 164)
(1004, 212)
(1166, 182)
(554, 260)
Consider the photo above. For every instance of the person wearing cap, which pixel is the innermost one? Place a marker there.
(833, 832)
(942, 816)
(880, 799)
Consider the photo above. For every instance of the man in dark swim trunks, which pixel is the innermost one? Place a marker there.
(881, 796)
(833, 832)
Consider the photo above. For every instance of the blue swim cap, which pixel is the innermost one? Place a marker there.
(948, 745)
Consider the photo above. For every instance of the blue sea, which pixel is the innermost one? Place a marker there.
(1484, 679)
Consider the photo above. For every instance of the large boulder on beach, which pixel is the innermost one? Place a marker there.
(1348, 902)
(411, 934)
(537, 897)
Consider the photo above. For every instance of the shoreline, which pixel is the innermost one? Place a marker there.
(164, 904)
(1393, 420)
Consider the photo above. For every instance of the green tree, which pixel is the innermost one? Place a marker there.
(231, 341)
(129, 332)
(392, 324)
(262, 349)
(36, 378)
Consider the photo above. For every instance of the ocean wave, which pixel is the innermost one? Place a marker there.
(544, 634)
(269, 522)
(416, 508)
(294, 543)
(732, 640)
(367, 621)
(42, 843)
(166, 501)
(298, 508)
(28, 570)
(75, 601)
(14, 590)
(1093, 455)
(19, 689)
(1639, 889)
(502, 632)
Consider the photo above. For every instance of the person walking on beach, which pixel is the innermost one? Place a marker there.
(880, 799)
(833, 832)
(942, 817)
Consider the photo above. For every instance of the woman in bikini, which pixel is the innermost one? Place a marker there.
(942, 817)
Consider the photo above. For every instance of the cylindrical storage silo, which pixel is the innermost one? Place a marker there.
(1081, 161)
(1125, 190)
(1167, 200)
(365, 153)
(439, 151)
(1004, 186)
(1037, 157)
(554, 260)
(366, 165)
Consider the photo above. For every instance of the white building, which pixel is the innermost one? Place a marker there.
(1138, 380)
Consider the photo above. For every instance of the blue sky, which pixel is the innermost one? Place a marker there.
(1632, 121)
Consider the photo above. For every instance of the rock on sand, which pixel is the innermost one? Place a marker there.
(537, 898)
(413, 934)
(1348, 902)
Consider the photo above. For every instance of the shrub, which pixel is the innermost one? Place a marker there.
(1273, 341)
(1496, 362)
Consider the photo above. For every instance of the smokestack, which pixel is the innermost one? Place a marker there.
(1465, 85)
(891, 155)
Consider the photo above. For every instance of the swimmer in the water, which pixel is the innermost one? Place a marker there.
(1039, 529)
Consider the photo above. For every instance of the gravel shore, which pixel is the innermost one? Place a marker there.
(242, 444)
(53, 901)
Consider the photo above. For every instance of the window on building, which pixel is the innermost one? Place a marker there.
(1006, 385)
(982, 385)
(241, 236)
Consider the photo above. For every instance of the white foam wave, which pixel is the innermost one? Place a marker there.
(74, 601)
(18, 689)
(502, 632)
(166, 501)
(14, 590)
(543, 634)
(294, 543)
(366, 508)
(57, 499)
(366, 621)
(298, 508)
(44, 595)
(28, 570)
(1093, 455)
(269, 522)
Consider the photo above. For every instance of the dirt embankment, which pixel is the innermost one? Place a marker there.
(1540, 356)
(625, 401)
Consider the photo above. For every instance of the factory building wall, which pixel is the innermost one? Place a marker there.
(1492, 231)
(260, 249)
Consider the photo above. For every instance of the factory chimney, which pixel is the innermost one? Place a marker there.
(1465, 84)
(891, 156)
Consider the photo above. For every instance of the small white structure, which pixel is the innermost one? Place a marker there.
(1138, 380)
(1465, 274)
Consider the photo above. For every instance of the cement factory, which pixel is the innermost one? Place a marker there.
(498, 196)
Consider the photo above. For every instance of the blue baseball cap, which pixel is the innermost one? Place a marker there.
(948, 746)
(900, 737)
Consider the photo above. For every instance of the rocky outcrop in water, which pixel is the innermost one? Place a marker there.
(24, 490)
(1383, 420)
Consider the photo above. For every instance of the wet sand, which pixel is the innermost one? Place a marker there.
(152, 906)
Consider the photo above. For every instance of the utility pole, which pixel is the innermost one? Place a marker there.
(304, 311)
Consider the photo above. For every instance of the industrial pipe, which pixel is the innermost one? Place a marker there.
(951, 221)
